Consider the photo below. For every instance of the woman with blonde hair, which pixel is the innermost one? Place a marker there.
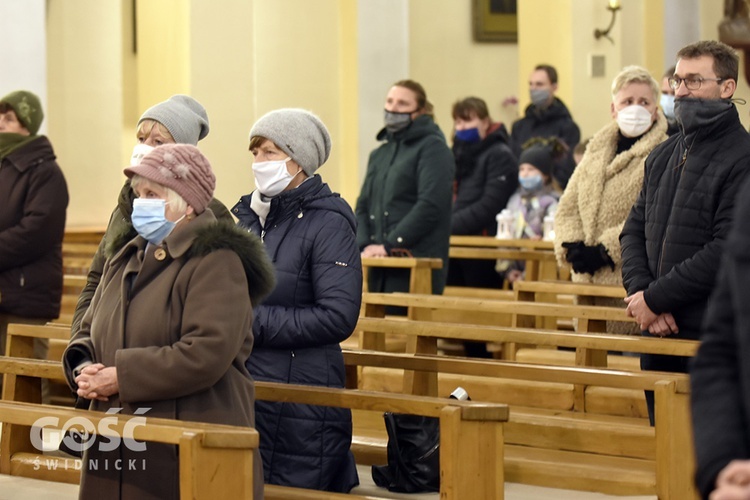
(181, 120)
(606, 183)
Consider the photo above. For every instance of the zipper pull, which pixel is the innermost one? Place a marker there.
(262, 234)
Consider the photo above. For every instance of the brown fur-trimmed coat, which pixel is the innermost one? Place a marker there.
(600, 194)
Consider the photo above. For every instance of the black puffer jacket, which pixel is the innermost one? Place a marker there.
(32, 223)
(554, 121)
(673, 239)
(720, 374)
(486, 177)
(310, 235)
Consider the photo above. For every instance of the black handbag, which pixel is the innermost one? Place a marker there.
(413, 454)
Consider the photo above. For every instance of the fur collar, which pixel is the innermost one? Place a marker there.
(216, 236)
(250, 249)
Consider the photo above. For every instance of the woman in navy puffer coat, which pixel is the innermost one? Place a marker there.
(310, 235)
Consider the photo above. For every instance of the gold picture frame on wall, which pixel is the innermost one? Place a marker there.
(495, 20)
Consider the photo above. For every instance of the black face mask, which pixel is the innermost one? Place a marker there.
(396, 122)
(693, 114)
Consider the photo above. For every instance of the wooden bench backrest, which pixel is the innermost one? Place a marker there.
(471, 437)
(538, 255)
(591, 348)
(519, 308)
(216, 461)
(672, 395)
(492, 242)
(83, 235)
(568, 288)
(464, 310)
(420, 278)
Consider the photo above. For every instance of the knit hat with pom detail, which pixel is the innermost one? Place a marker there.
(183, 169)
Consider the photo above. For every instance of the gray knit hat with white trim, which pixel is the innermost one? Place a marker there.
(184, 117)
(299, 133)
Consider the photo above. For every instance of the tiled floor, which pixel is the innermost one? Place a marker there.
(16, 488)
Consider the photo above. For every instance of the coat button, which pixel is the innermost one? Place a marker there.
(299, 216)
(372, 217)
(372, 238)
(385, 213)
(160, 254)
(400, 239)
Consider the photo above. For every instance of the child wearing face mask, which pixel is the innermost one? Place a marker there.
(535, 198)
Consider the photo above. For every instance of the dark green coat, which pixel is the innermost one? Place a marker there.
(405, 201)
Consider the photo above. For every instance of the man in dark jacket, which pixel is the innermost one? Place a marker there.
(720, 374)
(673, 239)
(547, 116)
(33, 201)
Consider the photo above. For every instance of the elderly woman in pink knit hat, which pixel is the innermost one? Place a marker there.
(169, 328)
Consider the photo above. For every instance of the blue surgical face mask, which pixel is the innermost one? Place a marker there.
(532, 183)
(468, 135)
(150, 221)
(667, 105)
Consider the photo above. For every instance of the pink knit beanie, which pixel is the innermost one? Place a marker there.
(183, 169)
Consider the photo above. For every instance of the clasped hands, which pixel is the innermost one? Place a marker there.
(733, 482)
(657, 324)
(587, 259)
(97, 382)
(374, 251)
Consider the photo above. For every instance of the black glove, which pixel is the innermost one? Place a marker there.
(574, 250)
(587, 259)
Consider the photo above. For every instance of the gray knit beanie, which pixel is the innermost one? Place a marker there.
(184, 117)
(298, 133)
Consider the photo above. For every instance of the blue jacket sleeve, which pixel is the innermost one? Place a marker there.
(336, 274)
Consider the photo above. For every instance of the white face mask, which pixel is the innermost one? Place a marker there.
(634, 120)
(272, 177)
(139, 151)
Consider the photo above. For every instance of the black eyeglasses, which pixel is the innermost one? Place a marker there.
(693, 83)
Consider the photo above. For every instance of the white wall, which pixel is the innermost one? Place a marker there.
(383, 51)
(22, 24)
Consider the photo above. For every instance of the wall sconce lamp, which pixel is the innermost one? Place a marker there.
(613, 7)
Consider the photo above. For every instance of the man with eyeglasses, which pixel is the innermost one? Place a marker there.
(673, 239)
(720, 373)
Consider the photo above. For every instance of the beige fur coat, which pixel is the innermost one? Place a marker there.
(599, 196)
